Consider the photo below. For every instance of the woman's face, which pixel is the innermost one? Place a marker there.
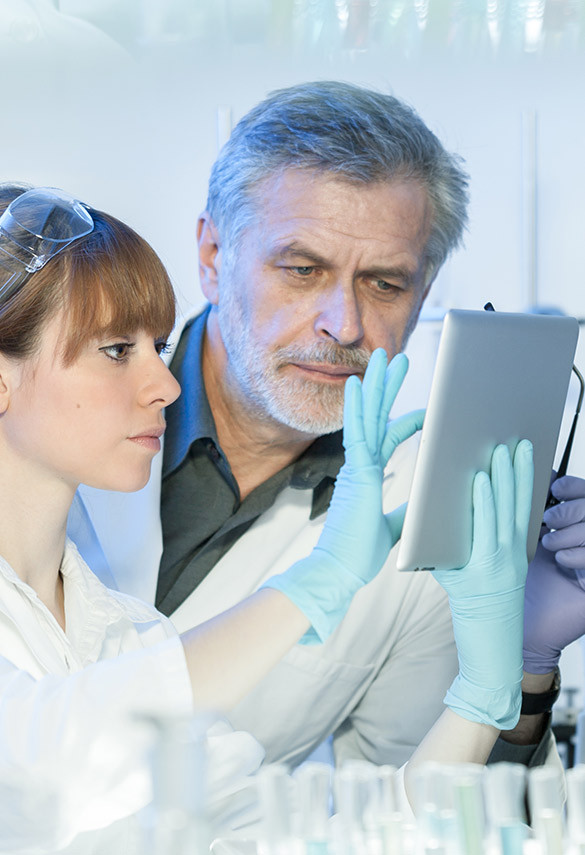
(97, 421)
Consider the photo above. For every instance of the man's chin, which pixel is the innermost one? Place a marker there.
(313, 411)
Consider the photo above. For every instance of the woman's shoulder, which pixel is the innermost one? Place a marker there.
(75, 568)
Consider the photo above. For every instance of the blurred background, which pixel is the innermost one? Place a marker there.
(124, 104)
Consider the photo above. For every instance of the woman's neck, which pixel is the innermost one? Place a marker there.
(33, 523)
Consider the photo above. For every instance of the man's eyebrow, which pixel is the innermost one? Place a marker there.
(394, 272)
(297, 250)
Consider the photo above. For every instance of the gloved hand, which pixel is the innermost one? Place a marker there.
(554, 613)
(568, 518)
(357, 535)
(487, 595)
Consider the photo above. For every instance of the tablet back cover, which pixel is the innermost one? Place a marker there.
(498, 378)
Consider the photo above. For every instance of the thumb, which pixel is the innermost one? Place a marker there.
(398, 430)
(395, 520)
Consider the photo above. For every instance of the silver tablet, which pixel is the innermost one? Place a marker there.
(498, 378)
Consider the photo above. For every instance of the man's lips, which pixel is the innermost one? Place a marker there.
(323, 370)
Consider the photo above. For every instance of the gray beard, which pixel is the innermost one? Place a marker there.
(301, 404)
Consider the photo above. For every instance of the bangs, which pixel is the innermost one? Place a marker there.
(115, 284)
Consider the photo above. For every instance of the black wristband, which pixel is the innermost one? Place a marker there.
(536, 704)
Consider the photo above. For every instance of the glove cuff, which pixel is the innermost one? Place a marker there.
(499, 708)
(322, 588)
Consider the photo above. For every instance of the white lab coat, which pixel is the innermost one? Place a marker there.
(377, 683)
(73, 757)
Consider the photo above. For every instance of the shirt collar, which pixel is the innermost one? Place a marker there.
(190, 417)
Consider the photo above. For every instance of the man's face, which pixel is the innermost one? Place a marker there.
(328, 272)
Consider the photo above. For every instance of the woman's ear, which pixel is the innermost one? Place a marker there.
(11, 377)
(4, 385)
(209, 257)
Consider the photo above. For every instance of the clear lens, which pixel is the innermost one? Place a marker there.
(36, 226)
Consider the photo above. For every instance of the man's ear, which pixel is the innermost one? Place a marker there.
(209, 257)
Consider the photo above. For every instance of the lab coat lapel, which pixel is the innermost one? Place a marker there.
(282, 535)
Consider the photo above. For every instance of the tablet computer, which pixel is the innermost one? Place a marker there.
(498, 378)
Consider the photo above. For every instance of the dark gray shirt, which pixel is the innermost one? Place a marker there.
(201, 510)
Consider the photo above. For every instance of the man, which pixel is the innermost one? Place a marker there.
(330, 211)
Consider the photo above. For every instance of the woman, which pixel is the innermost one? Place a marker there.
(85, 311)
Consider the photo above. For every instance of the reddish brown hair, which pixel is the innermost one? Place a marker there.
(109, 282)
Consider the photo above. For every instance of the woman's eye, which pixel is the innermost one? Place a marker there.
(119, 352)
(162, 347)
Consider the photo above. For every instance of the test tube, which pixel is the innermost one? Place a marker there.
(314, 801)
(275, 793)
(354, 789)
(177, 823)
(545, 789)
(505, 789)
(466, 783)
(435, 809)
(388, 815)
(576, 808)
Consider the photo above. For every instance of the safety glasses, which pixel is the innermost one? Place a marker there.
(33, 229)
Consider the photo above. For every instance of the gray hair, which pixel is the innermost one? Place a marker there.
(357, 134)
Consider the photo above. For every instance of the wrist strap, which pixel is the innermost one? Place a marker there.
(536, 704)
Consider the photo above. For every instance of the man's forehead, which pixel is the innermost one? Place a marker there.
(302, 194)
(303, 218)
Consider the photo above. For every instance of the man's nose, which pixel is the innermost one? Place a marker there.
(340, 317)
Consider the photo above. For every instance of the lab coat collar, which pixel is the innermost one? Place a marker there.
(91, 608)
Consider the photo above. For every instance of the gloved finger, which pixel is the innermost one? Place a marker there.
(502, 477)
(353, 422)
(574, 559)
(569, 487)
(568, 512)
(398, 430)
(372, 395)
(484, 518)
(523, 485)
(395, 374)
(395, 521)
(565, 538)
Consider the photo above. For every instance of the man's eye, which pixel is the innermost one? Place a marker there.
(389, 289)
(305, 270)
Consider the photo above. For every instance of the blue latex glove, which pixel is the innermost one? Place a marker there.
(554, 613)
(357, 535)
(487, 595)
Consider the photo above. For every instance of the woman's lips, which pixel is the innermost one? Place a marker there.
(150, 439)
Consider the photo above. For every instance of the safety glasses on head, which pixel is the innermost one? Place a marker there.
(35, 227)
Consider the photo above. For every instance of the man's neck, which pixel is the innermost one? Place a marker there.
(256, 448)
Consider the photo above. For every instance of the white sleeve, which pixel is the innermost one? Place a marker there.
(406, 696)
(72, 755)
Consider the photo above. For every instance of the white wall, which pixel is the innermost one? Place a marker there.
(129, 124)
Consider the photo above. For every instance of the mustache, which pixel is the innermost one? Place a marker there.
(354, 358)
